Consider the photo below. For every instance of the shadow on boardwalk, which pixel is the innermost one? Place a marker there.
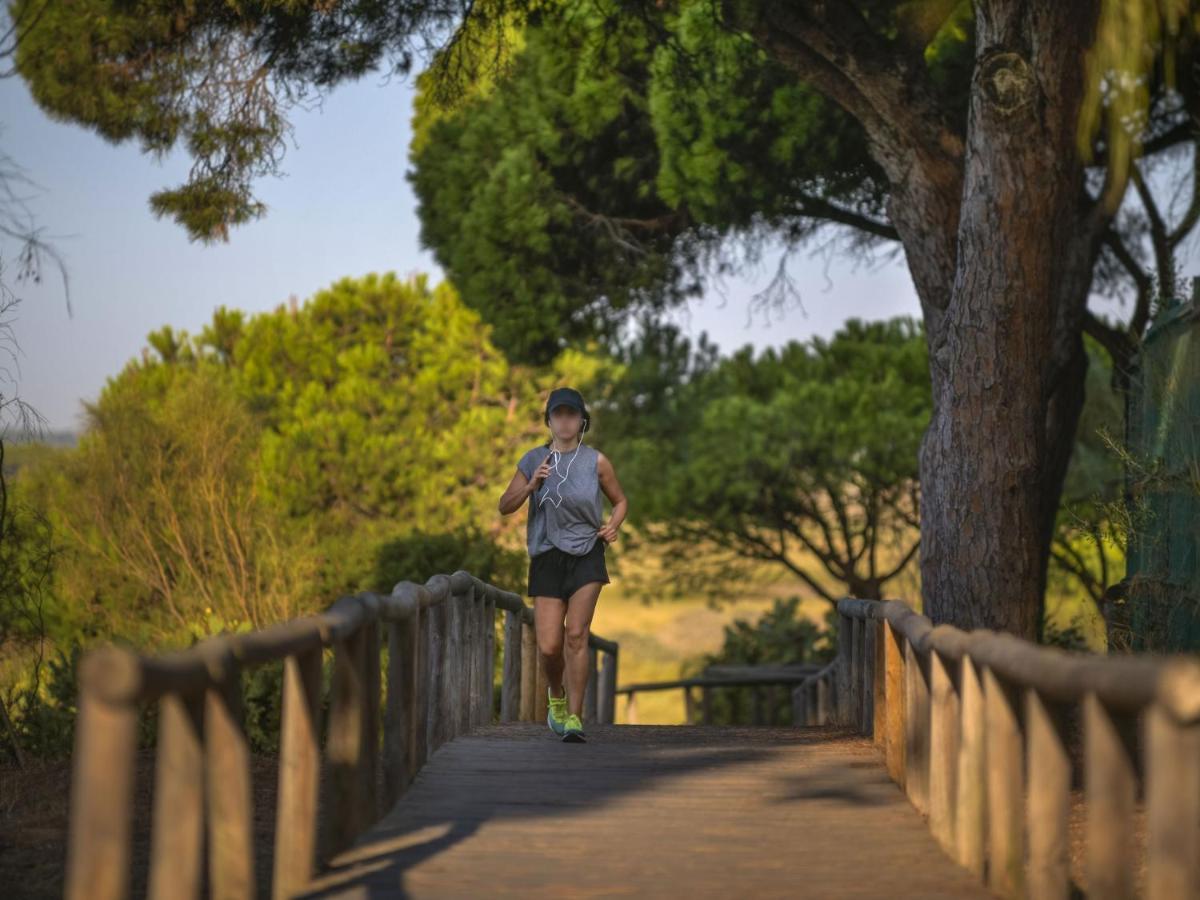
(648, 811)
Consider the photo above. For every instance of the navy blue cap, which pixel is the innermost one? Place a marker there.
(565, 396)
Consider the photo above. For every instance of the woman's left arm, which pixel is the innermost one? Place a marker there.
(612, 489)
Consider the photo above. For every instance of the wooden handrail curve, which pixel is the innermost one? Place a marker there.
(437, 684)
(974, 727)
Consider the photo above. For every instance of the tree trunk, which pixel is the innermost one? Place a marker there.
(1008, 362)
(1001, 242)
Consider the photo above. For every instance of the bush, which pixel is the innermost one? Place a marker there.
(418, 556)
(779, 636)
(42, 708)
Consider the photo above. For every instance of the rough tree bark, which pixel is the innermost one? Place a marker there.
(1001, 239)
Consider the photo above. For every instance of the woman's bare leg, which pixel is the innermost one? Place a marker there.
(580, 607)
(548, 625)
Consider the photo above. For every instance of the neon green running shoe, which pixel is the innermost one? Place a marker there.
(556, 712)
(573, 729)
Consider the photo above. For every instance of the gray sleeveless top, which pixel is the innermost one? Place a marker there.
(569, 523)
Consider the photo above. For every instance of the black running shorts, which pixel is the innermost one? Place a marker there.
(556, 573)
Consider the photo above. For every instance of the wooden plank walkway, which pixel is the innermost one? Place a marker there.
(650, 811)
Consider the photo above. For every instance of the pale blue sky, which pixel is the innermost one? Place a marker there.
(343, 208)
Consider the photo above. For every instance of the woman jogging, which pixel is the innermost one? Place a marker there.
(567, 537)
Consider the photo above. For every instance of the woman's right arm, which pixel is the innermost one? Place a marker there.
(520, 488)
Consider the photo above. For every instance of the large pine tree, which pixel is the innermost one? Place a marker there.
(1000, 171)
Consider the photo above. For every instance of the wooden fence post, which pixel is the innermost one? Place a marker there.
(894, 701)
(608, 689)
(1049, 800)
(372, 675)
(227, 784)
(177, 839)
(540, 702)
(426, 656)
(1005, 788)
(488, 659)
(943, 750)
(436, 661)
(970, 815)
(589, 688)
(529, 668)
(916, 728)
(510, 686)
(345, 750)
(399, 724)
(1111, 790)
(455, 713)
(867, 681)
(471, 697)
(102, 791)
(299, 773)
(1172, 806)
(879, 707)
(855, 680)
(842, 670)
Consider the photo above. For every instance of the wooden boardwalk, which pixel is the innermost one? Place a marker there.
(650, 811)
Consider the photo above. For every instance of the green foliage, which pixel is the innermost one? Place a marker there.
(576, 161)
(28, 550)
(163, 505)
(42, 707)
(804, 456)
(517, 188)
(1088, 544)
(620, 156)
(164, 73)
(262, 693)
(385, 406)
(1067, 637)
(276, 461)
(739, 138)
(779, 636)
(418, 556)
(370, 393)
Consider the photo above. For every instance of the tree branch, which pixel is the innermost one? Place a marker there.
(1141, 279)
(819, 208)
(889, 93)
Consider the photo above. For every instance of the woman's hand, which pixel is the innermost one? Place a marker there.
(540, 474)
(608, 532)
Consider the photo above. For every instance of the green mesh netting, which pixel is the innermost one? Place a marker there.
(1164, 481)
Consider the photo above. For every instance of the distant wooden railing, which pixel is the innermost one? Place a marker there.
(440, 640)
(972, 728)
(764, 679)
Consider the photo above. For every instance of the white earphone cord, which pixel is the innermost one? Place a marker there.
(562, 478)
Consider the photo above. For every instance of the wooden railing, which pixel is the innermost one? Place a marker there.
(763, 680)
(437, 685)
(974, 727)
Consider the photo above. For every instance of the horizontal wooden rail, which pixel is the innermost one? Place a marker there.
(438, 684)
(722, 681)
(972, 725)
(765, 676)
